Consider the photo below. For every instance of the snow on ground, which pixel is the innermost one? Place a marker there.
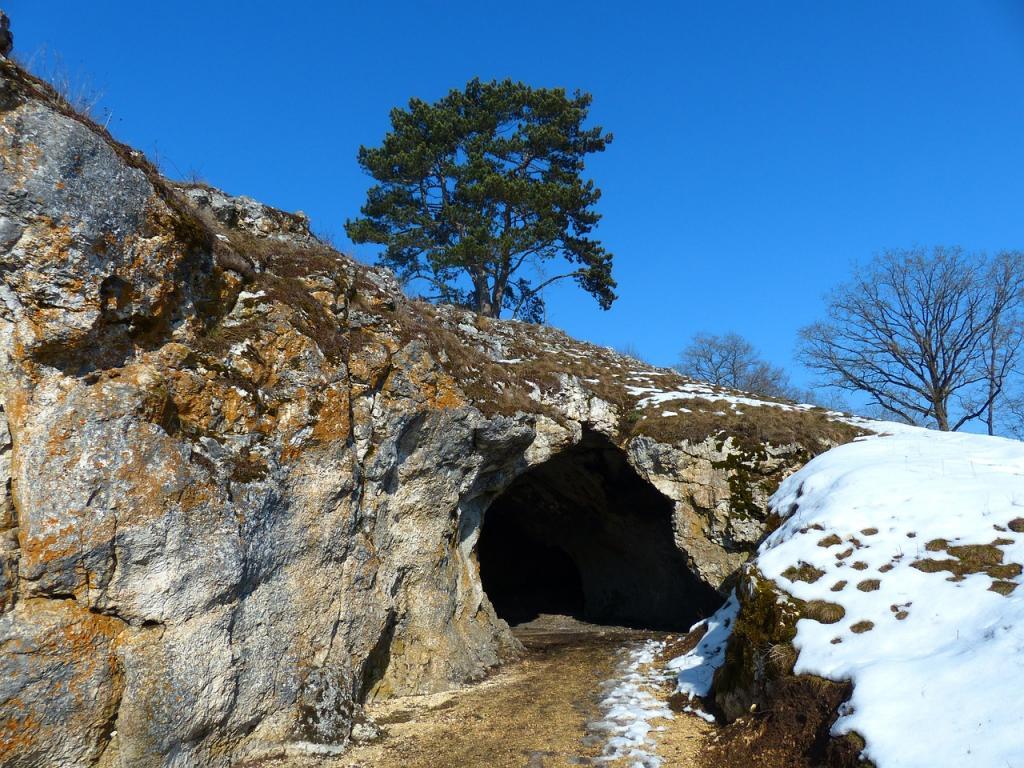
(697, 391)
(628, 707)
(695, 670)
(918, 535)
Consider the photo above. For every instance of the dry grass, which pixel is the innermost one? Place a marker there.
(310, 317)
(790, 729)
(823, 611)
(491, 386)
(750, 429)
(791, 714)
(545, 357)
(900, 611)
(23, 84)
(803, 572)
(530, 713)
(968, 559)
(1004, 588)
(288, 258)
(782, 657)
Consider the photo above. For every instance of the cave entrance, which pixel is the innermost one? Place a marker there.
(584, 535)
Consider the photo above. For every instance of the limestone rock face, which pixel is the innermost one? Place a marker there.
(720, 490)
(242, 477)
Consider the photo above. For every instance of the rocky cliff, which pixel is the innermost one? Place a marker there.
(244, 478)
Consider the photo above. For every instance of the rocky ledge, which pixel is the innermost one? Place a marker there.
(244, 478)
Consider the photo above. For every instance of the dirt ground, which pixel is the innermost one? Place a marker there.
(533, 713)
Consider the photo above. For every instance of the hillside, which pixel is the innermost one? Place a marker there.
(895, 575)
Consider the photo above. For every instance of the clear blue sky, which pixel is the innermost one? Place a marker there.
(760, 147)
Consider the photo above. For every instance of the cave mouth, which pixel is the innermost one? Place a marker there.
(583, 535)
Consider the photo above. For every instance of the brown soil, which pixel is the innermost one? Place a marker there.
(792, 733)
(530, 714)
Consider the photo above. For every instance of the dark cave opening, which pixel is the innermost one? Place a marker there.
(584, 535)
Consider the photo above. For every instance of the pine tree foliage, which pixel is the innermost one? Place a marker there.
(474, 189)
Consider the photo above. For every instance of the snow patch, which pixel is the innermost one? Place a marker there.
(628, 708)
(941, 655)
(696, 668)
(650, 396)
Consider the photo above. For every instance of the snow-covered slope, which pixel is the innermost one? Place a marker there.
(911, 543)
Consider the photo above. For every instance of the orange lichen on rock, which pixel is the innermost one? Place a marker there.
(68, 681)
(332, 420)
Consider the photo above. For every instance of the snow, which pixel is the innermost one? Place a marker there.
(938, 677)
(695, 670)
(696, 391)
(952, 667)
(628, 708)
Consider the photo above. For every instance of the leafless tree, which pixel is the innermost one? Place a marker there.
(1002, 345)
(730, 360)
(629, 349)
(1013, 406)
(927, 336)
(825, 398)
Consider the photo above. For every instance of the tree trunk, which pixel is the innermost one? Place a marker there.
(941, 414)
(482, 296)
(991, 416)
(497, 298)
(485, 308)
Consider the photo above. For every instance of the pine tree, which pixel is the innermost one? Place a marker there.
(477, 186)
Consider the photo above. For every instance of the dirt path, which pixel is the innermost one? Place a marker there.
(544, 711)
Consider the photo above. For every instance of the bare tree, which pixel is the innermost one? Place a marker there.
(822, 397)
(1014, 409)
(730, 360)
(629, 349)
(1002, 345)
(914, 331)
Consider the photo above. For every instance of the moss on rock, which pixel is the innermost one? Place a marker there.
(774, 718)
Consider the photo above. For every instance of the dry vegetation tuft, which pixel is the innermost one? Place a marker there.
(803, 572)
(968, 559)
(823, 611)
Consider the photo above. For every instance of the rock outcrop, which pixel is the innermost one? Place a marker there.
(243, 477)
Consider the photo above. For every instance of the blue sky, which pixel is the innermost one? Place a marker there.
(759, 149)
